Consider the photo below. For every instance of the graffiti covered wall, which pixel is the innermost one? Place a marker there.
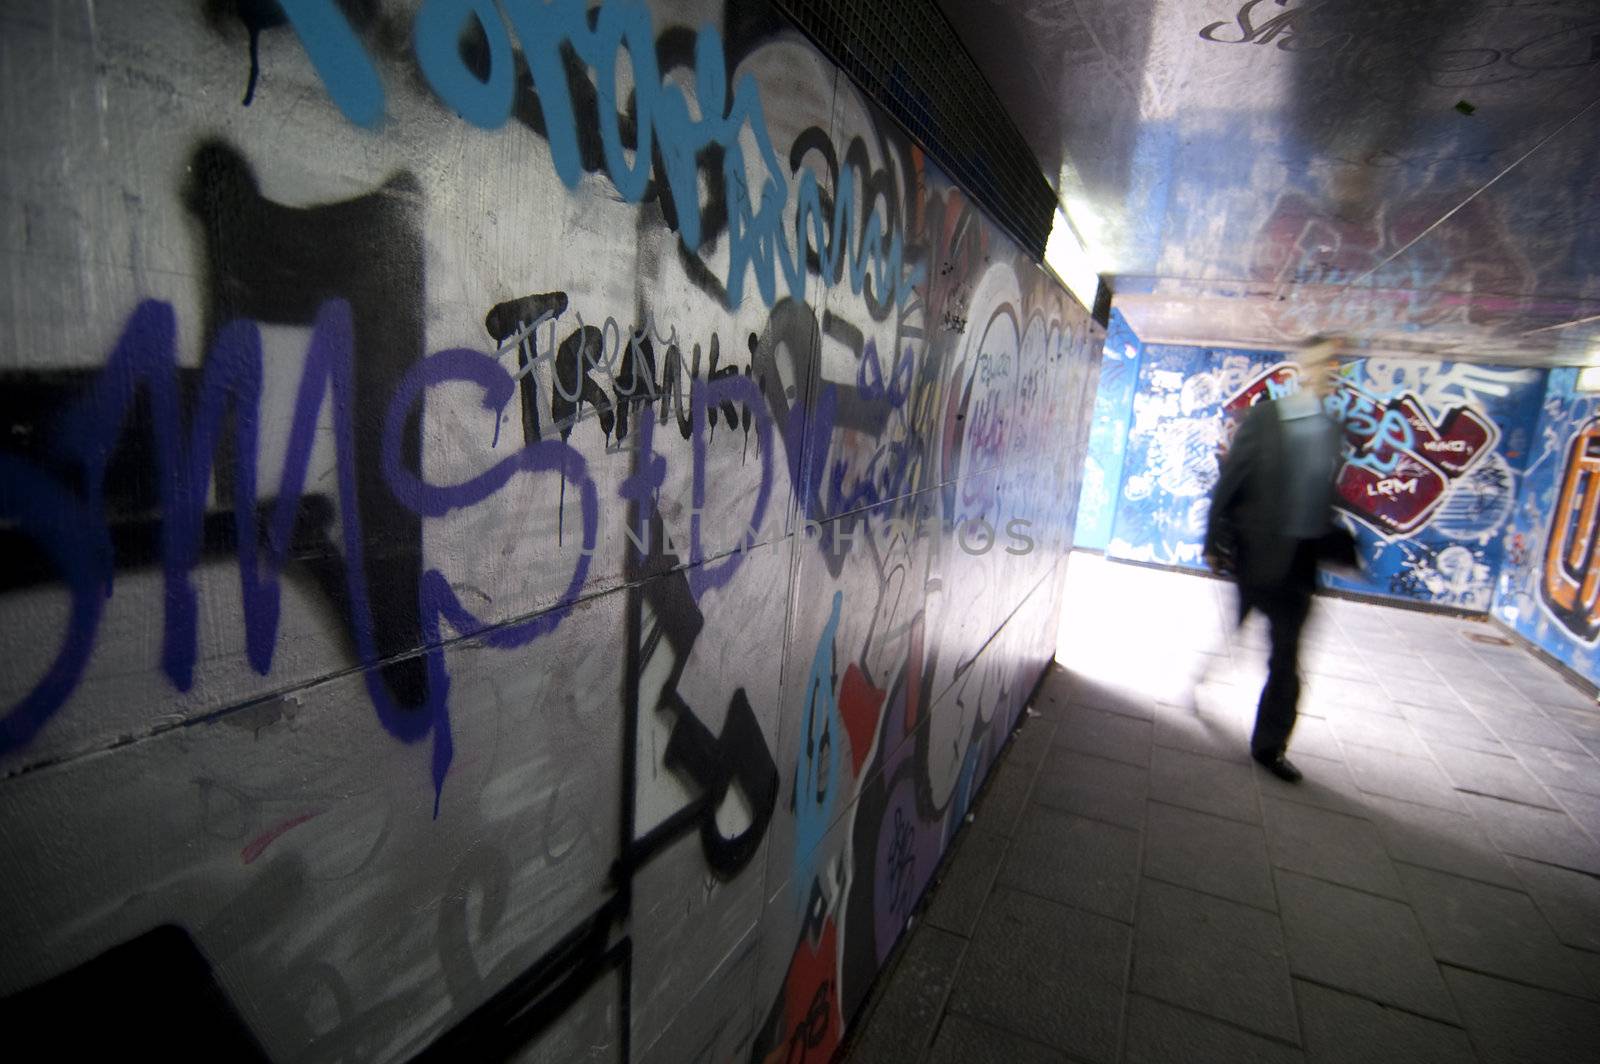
(1433, 455)
(1547, 589)
(1108, 435)
(526, 524)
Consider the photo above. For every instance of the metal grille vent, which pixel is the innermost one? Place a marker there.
(906, 57)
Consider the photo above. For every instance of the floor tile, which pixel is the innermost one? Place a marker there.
(1527, 726)
(1204, 783)
(965, 1041)
(1213, 956)
(1542, 834)
(1341, 1028)
(1085, 863)
(1331, 846)
(1489, 929)
(1514, 1024)
(1410, 779)
(1376, 729)
(1004, 797)
(1453, 728)
(1326, 784)
(1499, 777)
(1208, 853)
(1572, 769)
(1361, 943)
(959, 895)
(1159, 1033)
(1048, 972)
(1439, 839)
(1582, 807)
(1569, 900)
(1104, 734)
(1111, 699)
(1220, 734)
(1094, 787)
(913, 997)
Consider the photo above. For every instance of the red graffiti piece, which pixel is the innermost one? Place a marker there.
(811, 1002)
(859, 703)
(1455, 443)
(1400, 501)
(1278, 379)
(266, 838)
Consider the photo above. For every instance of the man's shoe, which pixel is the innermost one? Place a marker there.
(1280, 767)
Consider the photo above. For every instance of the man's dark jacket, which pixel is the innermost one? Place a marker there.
(1250, 501)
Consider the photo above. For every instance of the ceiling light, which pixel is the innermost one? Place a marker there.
(1065, 254)
(1589, 379)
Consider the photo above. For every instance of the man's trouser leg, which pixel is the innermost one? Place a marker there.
(1287, 607)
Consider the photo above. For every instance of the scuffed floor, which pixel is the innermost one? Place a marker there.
(1134, 888)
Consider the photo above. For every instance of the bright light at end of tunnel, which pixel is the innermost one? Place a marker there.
(1066, 255)
(1588, 377)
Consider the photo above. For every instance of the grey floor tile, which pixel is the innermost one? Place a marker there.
(1329, 845)
(1573, 769)
(1527, 725)
(1489, 929)
(959, 895)
(1327, 784)
(1569, 900)
(1548, 688)
(1070, 859)
(1048, 972)
(1208, 784)
(1159, 1033)
(1354, 694)
(1004, 797)
(901, 1022)
(1500, 777)
(1370, 946)
(1094, 787)
(1213, 956)
(1430, 691)
(1437, 838)
(1542, 834)
(1453, 729)
(1104, 734)
(1314, 736)
(1410, 779)
(1220, 734)
(1581, 724)
(1588, 963)
(1341, 1028)
(1582, 807)
(1208, 853)
(1031, 742)
(1515, 1024)
(1366, 728)
(1122, 700)
(965, 1041)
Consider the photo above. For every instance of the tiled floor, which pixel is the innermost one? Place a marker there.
(1133, 888)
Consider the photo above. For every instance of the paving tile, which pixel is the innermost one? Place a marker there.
(1031, 742)
(1410, 779)
(1437, 838)
(1128, 703)
(1501, 777)
(1376, 729)
(1204, 783)
(1549, 688)
(1515, 1024)
(959, 895)
(1428, 691)
(1527, 726)
(1087, 863)
(1355, 694)
(1048, 972)
(1453, 728)
(1159, 1033)
(1573, 769)
(965, 1041)
(1489, 929)
(1569, 900)
(1327, 784)
(1213, 956)
(1361, 943)
(1542, 834)
(1314, 736)
(1209, 854)
(1329, 845)
(1004, 797)
(1584, 808)
(1589, 963)
(901, 1022)
(1224, 734)
(1581, 724)
(1094, 787)
(1104, 734)
(1341, 1028)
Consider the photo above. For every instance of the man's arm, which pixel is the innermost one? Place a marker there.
(1237, 466)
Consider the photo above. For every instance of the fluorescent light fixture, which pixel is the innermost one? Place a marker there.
(1064, 253)
(1588, 378)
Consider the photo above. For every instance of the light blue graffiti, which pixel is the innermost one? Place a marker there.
(816, 776)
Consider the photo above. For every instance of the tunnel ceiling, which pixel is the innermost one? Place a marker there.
(1420, 174)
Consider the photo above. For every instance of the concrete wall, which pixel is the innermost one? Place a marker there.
(1434, 453)
(520, 527)
(1547, 587)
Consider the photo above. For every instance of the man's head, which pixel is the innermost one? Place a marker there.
(1319, 367)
